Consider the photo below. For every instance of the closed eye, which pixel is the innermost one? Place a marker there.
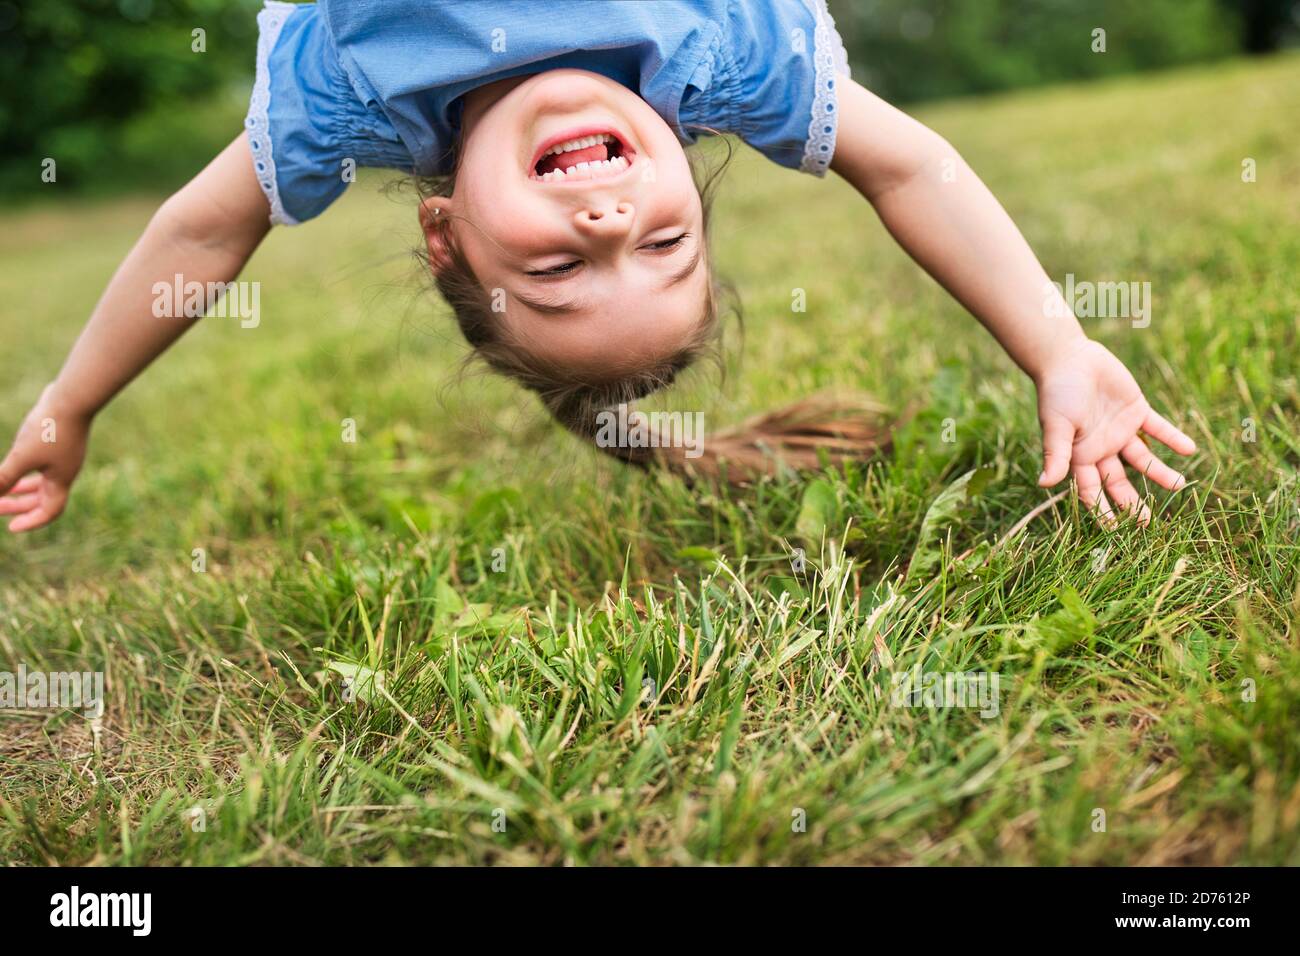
(562, 269)
(666, 244)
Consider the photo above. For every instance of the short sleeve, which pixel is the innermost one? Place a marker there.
(771, 80)
(292, 125)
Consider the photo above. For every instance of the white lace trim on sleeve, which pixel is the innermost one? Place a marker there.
(269, 21)
(829, 59)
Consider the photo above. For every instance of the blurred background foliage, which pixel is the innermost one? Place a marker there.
(116, 92)
(908, 50)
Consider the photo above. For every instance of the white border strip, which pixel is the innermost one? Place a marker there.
(829, 59)
(269, 22)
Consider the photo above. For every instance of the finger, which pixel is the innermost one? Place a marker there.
(1159, 428)
(18, 504)
(11, 469)
(1088, 486)
(1058, 443)
(30, 483)
(1120, 490)
(43, 514)
(1137, 454)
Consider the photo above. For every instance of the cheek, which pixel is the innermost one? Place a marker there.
(674, 187)
(507, 214)
(490, 191)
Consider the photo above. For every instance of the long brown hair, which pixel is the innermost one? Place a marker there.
(799, 436)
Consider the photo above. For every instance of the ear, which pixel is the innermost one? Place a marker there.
(435, 220)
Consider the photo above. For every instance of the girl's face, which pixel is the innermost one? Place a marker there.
(576, 209)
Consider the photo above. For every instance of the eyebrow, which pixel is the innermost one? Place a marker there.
(550, 306)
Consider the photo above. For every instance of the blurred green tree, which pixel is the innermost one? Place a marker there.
(124, 93)
(119, 92)
(1267, 24)
(907, 50)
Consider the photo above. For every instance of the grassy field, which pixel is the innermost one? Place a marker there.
(581, 664)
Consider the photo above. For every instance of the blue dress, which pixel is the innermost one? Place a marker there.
(347, 83)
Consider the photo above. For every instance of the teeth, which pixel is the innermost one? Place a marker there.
(604, 167)
(581, 143)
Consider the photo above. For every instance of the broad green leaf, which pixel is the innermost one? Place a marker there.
(944, 512)
(706, 557)
(1073, 623)
(816, 512)
(362, 682)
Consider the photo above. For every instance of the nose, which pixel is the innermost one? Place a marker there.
(605, 220)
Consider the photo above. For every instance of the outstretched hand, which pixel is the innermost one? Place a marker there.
(1093, 414)
(37, 474)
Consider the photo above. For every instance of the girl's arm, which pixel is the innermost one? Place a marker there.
(205, 233)
(1090, 408)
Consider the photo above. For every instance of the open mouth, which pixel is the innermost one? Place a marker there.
(594, 155)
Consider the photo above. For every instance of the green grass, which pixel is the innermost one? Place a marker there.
(1122, 653)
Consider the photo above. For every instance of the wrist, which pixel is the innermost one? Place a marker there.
(1064, 347)
(64, 402)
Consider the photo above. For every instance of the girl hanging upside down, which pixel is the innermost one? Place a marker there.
(565, 225)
